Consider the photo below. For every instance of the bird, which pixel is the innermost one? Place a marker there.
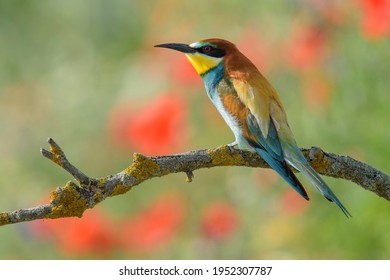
(252, 109)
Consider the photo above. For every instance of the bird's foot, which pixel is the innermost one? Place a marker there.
(314, 153)
(231, 147)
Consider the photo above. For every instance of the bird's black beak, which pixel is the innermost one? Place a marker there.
(178, 47)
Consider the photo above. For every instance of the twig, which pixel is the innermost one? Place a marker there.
(57, 156)
(73, 199)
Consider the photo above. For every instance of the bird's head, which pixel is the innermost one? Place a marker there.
(204, 55)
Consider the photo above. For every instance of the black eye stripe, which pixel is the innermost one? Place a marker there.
(211, 51)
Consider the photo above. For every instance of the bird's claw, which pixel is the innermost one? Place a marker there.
(314, 153)
(231, 147)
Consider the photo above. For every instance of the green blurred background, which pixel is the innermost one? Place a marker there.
(86, 74)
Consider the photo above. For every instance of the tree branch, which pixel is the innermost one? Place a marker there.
(73, 199)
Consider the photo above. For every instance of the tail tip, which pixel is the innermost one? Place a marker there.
(345, 211)
(339, 204)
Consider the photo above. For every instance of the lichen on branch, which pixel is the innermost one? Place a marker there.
(73, 199)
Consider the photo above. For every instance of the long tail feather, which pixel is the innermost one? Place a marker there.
(281, 167)
(287, 174)
(303, 166)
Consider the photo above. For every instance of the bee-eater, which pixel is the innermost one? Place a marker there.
(253, 110)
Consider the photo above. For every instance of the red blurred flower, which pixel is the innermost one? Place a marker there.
(159, 127)
(92, 234)
(292, 203)
(376, 18)
(155, 226)
(219, 220)
(307, 50)
(306, 47)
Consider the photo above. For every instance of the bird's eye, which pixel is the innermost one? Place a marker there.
(207, 49)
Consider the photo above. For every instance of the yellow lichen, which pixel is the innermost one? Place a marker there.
(4, 218)
(56, 159)
(120, 189)
(317, 159)
(55, 150)
(222, 156)
(56, 155)
(102, 182)
(98, 197)
(67, 202)
(142, 167)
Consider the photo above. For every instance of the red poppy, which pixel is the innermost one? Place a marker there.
(306, 47)
(292, 203)
(155, 226)
(159, 127)
(376, 18)
(219, 220)
(92, 234)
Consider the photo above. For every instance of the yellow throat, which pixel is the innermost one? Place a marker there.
(203, 63)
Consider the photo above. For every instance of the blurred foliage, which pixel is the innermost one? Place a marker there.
(86, 74)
